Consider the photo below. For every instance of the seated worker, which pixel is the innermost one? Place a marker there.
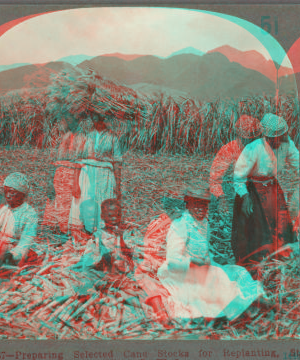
(197, 288)
(18, 223)
(155, 255)
(107, 251)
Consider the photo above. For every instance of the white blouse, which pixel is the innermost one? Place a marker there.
(18, 228)
(187, 238)
(259, 159)
(209, 290)
(104, 145)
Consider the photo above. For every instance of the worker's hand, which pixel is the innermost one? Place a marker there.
(119, 196)
(76, 192)
(297, 223)
(51, 192)
(198, 262)
(175, 266)
(122, 266)
(9, 259)
(222, 203)
(247, 206)
(118, 231)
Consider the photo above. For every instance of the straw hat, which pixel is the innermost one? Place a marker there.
(198, 191)
(274, 125)
(248, 127)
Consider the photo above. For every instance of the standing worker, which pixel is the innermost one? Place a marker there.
(221, 172)
(66, 179)
(261, 219)
(100, 177)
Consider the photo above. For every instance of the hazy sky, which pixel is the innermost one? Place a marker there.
(97, 31)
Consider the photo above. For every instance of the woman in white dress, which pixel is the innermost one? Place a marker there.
(100, 177)
(198, 287)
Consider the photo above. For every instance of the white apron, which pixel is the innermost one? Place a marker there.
(209, 291)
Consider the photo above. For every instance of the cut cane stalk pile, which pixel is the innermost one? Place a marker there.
(44, 302)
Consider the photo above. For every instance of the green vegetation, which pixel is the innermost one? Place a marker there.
(162, 124)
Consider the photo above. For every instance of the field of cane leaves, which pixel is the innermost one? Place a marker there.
(167, 144)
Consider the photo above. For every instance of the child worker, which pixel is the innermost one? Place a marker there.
(107, 250)
(197, 287)
(80, 235)
(18, 223)
(103, 250)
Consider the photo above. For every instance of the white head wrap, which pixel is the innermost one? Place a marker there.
(17, 181)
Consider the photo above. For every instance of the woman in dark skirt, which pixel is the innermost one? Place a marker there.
(261, 219)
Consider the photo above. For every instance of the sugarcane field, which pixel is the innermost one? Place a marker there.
(137, 207)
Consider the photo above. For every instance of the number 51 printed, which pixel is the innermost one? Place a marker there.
(267, 23)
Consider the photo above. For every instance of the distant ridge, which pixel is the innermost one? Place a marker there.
(187, 50)
(221, 73)
(12, 66)
(31, 76)
(126, 57)
(204, 77)
(252, 60)
(75, 59)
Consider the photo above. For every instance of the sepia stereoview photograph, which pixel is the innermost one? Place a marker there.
(149, 179)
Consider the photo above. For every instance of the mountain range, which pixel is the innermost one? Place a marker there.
(223, 72)
(75, 59)
(204, 77)
(253, 60)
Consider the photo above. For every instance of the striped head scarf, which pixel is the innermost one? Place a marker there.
(17, 181)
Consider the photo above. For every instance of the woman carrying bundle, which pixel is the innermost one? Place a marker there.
(100, 176)
(261, 219)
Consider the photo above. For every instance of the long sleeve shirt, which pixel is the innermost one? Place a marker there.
(18, 229)
(260, 160)
(187, 239)
(223, 164)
